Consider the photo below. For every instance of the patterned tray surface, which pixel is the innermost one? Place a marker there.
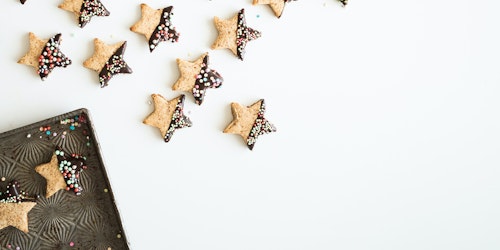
(64, 220)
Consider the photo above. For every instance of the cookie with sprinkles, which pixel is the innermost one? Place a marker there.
(44, 55)
(276, 5)
(14, 207)
(108, 61)
(249, 122)
(63, 172)
(168, 115)
(234, 34)
(84, 10)
(196, 77)
(156, 26)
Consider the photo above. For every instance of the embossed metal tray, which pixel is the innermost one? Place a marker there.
(64, 220)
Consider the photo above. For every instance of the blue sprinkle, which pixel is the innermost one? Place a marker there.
(71, 127)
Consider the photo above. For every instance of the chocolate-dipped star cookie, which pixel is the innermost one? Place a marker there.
(156, 26)
(84, 9)
(62, 172)
(44, 55)
(108, 61)
(196, 77)
(50, 171)
(276, 5)
(249, 122)
(343, 2)
(234, 34)
(14, 207)
(23, 1)
(168, 115)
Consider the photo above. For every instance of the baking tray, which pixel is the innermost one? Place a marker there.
(64, 220)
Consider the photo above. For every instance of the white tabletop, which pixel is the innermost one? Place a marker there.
(387, 117)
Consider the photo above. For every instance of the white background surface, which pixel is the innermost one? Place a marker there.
(387, 115)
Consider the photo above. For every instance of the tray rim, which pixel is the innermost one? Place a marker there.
(98, 153)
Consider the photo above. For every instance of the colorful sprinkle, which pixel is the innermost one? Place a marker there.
(70, 167)
(115, 65)
(51, 57)
(14, 194)
(165, 31)
(207, 78)
(89, 9)
(244, 34)
(179, 120)
(261, 126)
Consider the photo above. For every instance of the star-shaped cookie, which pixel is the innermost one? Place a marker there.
(84, 9)
(249, 122)
(168, 115)
(44, 55)
(156, 26)
(108, 61)
(343, 2)
(14, 207)
(196, 77)
(234, 34)
(50, 171)
(276, 5)
(23, 1)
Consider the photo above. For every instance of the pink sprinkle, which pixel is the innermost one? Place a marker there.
(71, 244)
